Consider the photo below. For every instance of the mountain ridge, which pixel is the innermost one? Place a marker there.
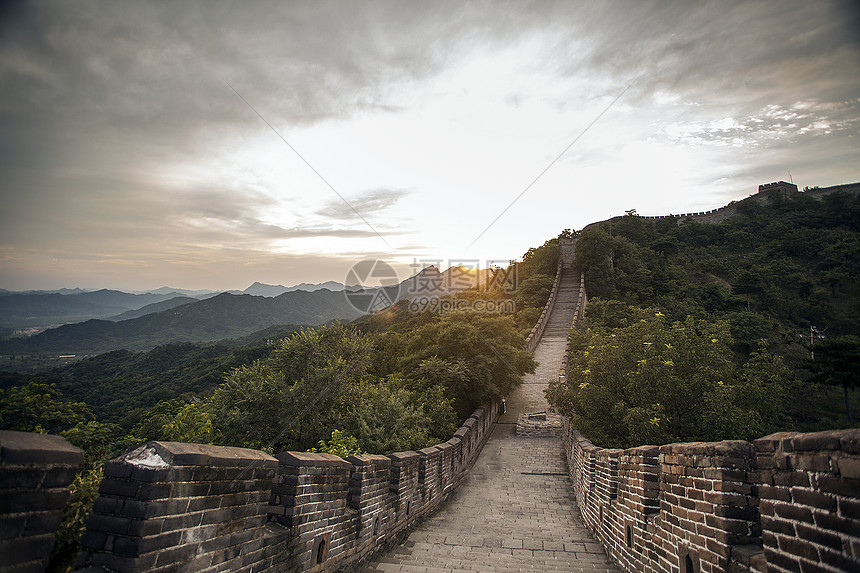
(223, 316)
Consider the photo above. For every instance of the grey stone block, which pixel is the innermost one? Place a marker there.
(30, 448)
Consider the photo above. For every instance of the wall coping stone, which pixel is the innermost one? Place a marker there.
(311, 459)
(403, 456)
(31, 448)
(428, 451)
(444, 446)
(643, 451)
(724, 448)
(846, 440)
(182, 454)
(775, 441)
(369, 459)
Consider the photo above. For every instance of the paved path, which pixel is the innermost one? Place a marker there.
(515, 511)
(530, 396)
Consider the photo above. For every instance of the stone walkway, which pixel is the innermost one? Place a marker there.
(515, 511)
(530, 396)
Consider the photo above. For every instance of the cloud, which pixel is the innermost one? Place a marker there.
(771, 124)
(119, 139)
(369, 204)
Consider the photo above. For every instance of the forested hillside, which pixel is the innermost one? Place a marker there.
(701, 331)
(216, 318)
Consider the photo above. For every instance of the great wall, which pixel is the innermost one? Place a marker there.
(765, 195)
(488, 499)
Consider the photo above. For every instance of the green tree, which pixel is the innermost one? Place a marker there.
(39, 407)
(340, 444)
(539, 260)
(389, 418)
(295, 397)
(484, 354)
(837, 363)
(192, 423)
(652, 380)
(100, 442)
(534, 291)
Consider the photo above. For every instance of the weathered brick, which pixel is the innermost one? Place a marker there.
(58, 476)
(813, 498)
(32, 500)
(43, 522)
(111, 524)
(778, 493)
(794, 512)
(777, 558)
(777, 525)
(849, 468)
(819, 536)
(840, 560)
(812, 462)
(31, 449)
(799, 547)
(791, 478)
(34, 550)
(833, 522)
(119, 487)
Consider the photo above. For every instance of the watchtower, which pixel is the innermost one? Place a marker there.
(781, 187)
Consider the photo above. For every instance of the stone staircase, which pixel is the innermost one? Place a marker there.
(561, 318)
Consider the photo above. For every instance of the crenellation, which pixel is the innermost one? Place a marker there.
(190, 507)
(35, 473)
(787, 502)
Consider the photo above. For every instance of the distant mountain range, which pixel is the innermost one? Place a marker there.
(154, 307)
(41, 309)
(200, 293)
(4, 292)
(46, 308)
(121, 320)
(262, 289)
(222, 316)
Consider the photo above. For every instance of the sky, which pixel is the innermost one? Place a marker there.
(214, 144)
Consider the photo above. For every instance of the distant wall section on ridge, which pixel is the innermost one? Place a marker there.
(765, 195)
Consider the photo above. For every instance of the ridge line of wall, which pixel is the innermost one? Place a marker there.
(534, 336)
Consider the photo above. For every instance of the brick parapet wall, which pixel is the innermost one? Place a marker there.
(191, 507)
(565, 245)
(578, 314)
(809, 490)
(310, 496)
(35, 473)
(708, 507)
(534, 336)
(165, 502)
